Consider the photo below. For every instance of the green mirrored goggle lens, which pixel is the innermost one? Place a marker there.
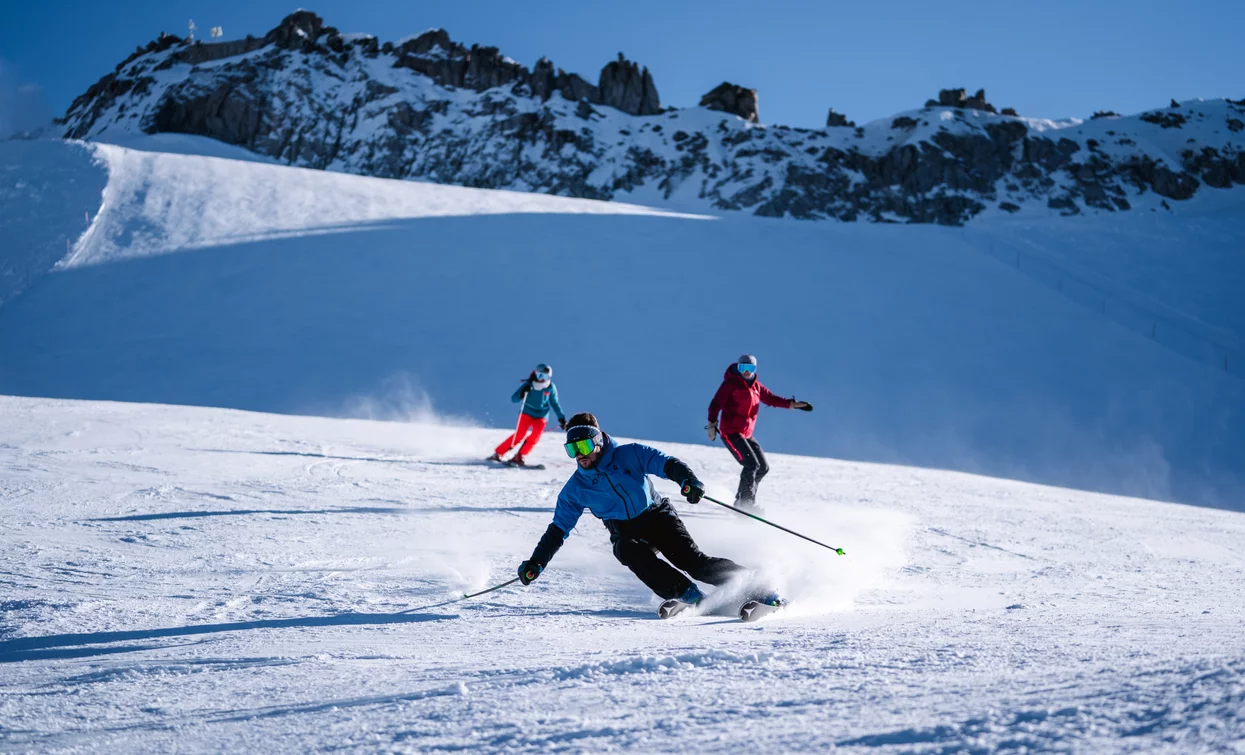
(580, 447)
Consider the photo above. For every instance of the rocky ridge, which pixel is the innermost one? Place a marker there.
(434, 109)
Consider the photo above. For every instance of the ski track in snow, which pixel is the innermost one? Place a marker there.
(198, 579)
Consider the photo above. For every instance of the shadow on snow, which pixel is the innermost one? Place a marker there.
(70, 645)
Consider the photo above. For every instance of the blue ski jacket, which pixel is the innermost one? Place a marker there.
(616, 488)
(538, 401)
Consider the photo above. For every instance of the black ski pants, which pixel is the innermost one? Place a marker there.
(747, 452)
(637, 542)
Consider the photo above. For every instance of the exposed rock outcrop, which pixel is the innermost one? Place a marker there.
(834, 120)
(448, 63)
(306, 95)
(627, 87)
(733, 99)
(545, 80)
(295, 29)
(960, 98)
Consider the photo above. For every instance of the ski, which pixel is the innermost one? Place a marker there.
(755, 609)
(523, 466)
(672, 608)
(503, 463)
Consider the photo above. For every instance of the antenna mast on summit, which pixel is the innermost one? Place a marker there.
(216, 32)
(192, 27)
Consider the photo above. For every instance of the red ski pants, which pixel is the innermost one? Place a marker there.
(526, 424)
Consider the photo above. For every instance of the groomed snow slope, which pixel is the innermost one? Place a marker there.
(210, 281)
(190, 579)
(48, 191)
(1173, 278)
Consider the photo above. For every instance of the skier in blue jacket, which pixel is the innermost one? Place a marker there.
(538, 395)
(612, 482)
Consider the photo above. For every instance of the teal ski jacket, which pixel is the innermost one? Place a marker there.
(538, 402)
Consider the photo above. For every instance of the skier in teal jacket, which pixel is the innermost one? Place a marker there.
(538, 395)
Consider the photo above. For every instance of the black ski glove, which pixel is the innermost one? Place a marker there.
(693, 490)
(529, 571)
(562, 423)
(803, 406)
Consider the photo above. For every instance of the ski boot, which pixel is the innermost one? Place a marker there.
(690, 597)
(495, 457)
(518, 461)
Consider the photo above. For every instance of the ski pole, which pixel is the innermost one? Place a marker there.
(464, 597)
(778, 526)
(514, 439)
(494, 587)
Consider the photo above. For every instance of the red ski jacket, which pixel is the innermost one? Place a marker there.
(738, 400)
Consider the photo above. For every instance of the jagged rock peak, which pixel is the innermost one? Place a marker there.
(430, 40)
(503, 129)
(623, 85)
(546, 79)
(448, 63)
(159, 44)
(627, 87)
(834, 119)
(960, 98)
(295, 28)
(734, 99)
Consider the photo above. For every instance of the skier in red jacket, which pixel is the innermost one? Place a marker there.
(737, 400)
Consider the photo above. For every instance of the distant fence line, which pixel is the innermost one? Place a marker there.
(1168, 327)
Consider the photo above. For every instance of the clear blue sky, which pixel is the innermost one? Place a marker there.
(867, 59)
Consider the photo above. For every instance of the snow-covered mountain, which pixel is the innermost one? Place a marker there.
(429, 108)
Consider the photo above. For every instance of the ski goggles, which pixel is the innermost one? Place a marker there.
(542, 375)
(581, 440)
(582, 447)
(747, 368)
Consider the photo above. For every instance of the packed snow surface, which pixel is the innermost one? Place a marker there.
(196, 579)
